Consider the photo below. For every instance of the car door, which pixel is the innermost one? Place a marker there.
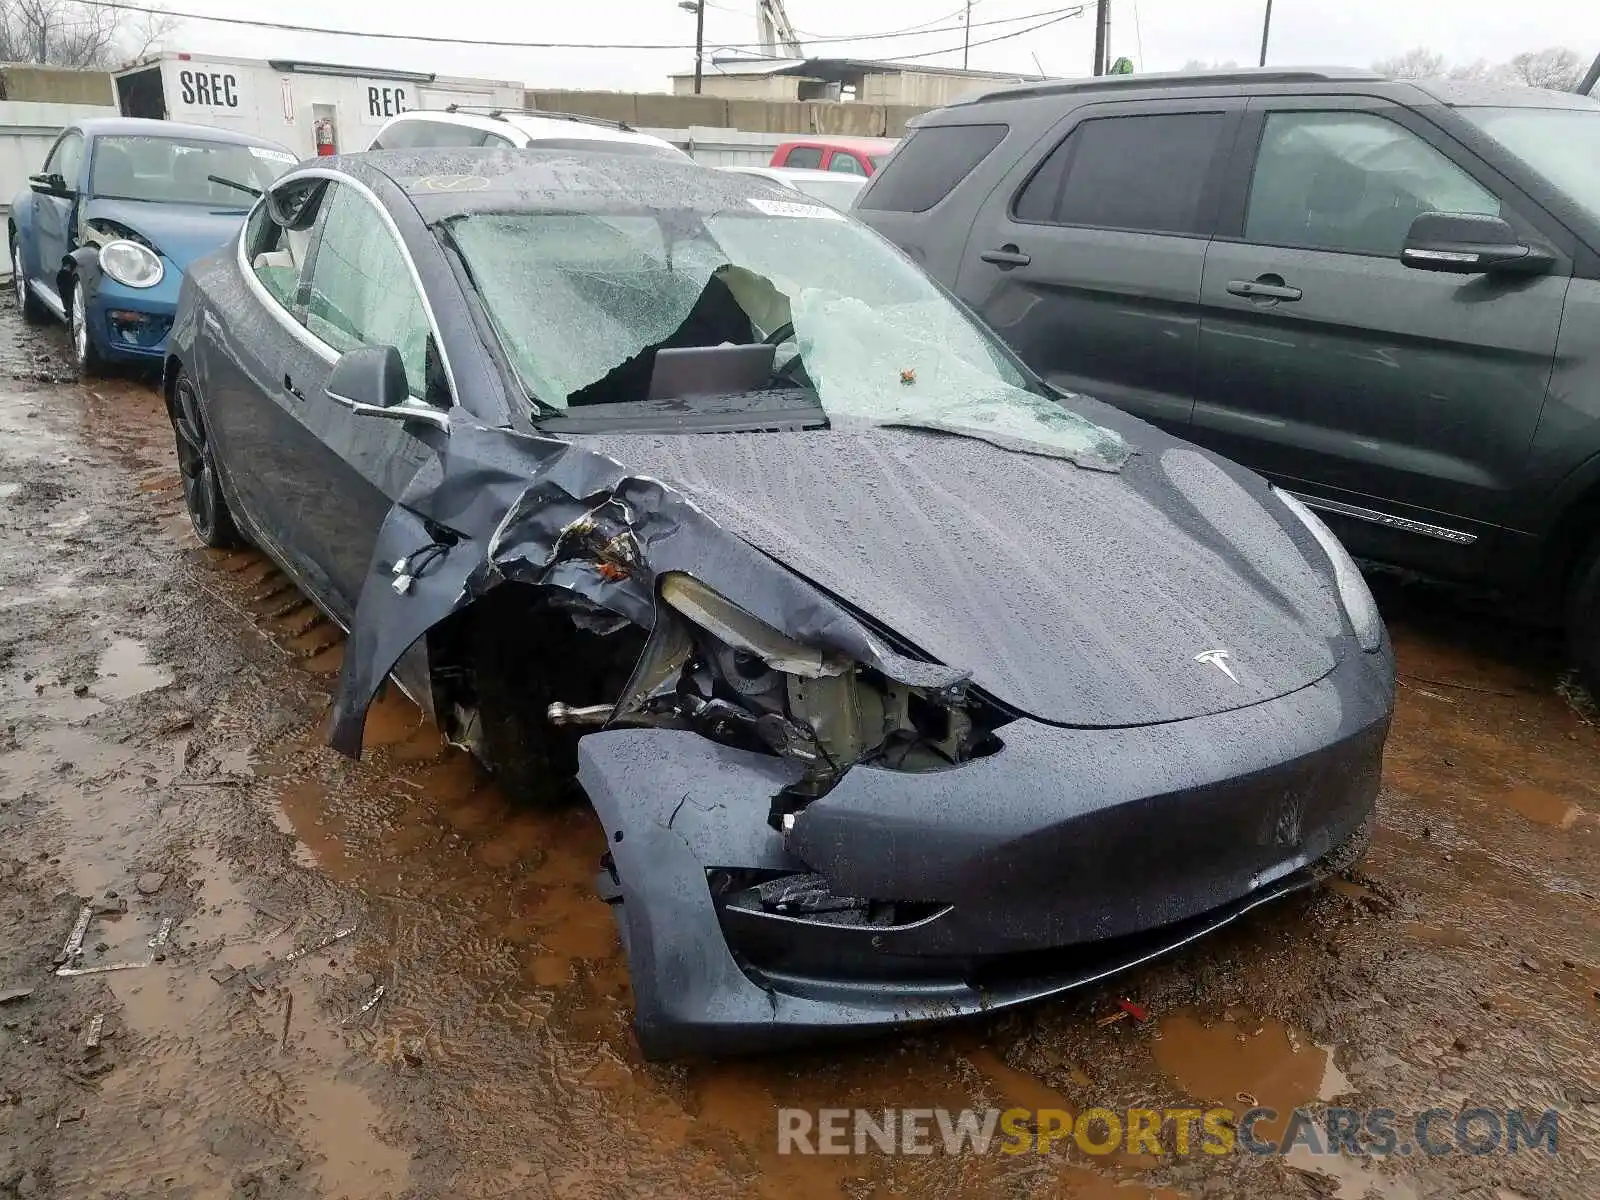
(348, 470)
(1399, 400)
(54, 216)
(243, 356)
(847, 162)
(1087, 257)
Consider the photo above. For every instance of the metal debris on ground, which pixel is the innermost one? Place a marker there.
(97, 1025)
(74, 946)
(1137, 1011)
(1119, 1015)
(63, 1118)
(367, 1007)
(11, 995)
(102, 968)
(161, 935)
(254, 976)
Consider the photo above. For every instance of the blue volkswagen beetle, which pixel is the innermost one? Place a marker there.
(101, 237)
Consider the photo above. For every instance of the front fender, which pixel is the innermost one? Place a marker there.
(496, 506)
(82, 264)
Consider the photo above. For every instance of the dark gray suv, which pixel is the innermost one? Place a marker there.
(1384, 296)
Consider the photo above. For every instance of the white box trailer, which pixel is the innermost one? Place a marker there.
(312, 108)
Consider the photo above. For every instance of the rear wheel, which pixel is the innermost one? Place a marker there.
(90, 361)
(202, 493)
(1583, 619)
(28, 305)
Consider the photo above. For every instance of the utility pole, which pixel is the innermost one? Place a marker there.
(1102, 34)
(966, 37)
(1266, 28)
(698, 8)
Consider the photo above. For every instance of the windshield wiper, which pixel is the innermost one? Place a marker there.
(243, 187)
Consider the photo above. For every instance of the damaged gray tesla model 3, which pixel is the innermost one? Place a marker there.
(904, 685)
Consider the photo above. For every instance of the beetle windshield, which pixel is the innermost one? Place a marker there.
(583, 301)
(170, 170)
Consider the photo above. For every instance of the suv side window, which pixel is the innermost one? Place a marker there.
(846, 163)
(1351, 182)
(809, 157)
(930, 164)
(361, 288)
(1144, 173)
(66, 159)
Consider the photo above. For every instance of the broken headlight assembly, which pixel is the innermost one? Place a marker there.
(131, 264)
(715, 668)
(1354, 594)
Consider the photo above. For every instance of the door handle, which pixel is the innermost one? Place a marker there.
(1263, 287)
(1006, 257)
(288, 386)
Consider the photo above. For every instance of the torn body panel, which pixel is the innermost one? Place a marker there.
(495, 505)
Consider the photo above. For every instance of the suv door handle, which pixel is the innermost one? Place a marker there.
(288, 386)
(1263, 287)
(1006, 257)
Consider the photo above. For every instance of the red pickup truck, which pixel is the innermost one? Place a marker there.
(847, 155)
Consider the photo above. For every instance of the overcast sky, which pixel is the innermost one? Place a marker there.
(1156, 34)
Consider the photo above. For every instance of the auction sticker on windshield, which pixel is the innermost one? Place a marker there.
(280, 156)
(791, 208)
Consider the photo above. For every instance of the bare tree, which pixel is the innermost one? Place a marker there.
(1417, 63)
(67, 34)
(1556, 68)
(1480, 71)
(1194, 64)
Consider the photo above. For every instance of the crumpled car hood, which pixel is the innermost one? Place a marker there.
(1077, 597)
(182, 232)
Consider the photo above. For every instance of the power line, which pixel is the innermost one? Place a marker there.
(1066, 16)
(433, 39)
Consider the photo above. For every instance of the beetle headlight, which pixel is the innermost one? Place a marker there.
(131, 264)
(1359, 605)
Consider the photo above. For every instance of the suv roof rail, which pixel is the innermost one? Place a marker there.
(500, 113)
(1176, 79)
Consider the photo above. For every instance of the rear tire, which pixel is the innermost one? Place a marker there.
(1583, 620)
(197, 464)
(33, 312)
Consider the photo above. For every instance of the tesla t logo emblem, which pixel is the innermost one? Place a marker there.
(1219, 660)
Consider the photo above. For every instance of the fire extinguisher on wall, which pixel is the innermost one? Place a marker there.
(323, 130)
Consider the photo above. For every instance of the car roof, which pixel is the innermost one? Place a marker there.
(533, 125)
(448, 182)
(1486, 95)
(1243, 79)
(792, 173)
(144, 127)
(867, 145)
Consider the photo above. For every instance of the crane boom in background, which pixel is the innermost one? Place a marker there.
(777, 36)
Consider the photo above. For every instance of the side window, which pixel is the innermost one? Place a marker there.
(443, 134)
(399, 135)
(495, 142)
(66, 160)
(271, 256)
(1145, 173)
(809, 157)
(846, 163)
(930, 164)
(1351, 182)
(361, 289)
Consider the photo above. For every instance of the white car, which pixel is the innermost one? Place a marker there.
(831, 187)
(458, 126)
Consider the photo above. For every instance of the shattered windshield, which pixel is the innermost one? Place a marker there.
(583, 301)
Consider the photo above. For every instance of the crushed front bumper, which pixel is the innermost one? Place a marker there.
(1067, 855)
(133, 324)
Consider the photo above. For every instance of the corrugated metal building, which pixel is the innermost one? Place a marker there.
(848, 79)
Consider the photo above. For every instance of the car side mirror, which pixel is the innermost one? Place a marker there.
(49, 184)
(1470, 244)
(371, 382)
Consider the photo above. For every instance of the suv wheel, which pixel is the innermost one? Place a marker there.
(197, 465)
(28, 304)
(1583, 619)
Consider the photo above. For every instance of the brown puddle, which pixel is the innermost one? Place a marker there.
(1234, 1063)
(1547, 808)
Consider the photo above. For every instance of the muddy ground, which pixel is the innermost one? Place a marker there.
(161, 758)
